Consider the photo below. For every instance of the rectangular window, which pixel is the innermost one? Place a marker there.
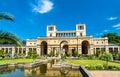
(80, 34)
(50, 34)
(50, 28)
(80, 27)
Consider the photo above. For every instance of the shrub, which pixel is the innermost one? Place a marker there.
(105, 66)
(79, 55)
(107, 56)
(92, 67)
(99, 67)
(84, 55)
(1, 53)
(63, 56)
(76, 53)
(91, 57)
(21, 56)
(111, 67)
(117, 67)
(57, 53)
(32, 54)
(118, 56)
(97, 53)
(51, 54)
(87, 67)
(69, 53)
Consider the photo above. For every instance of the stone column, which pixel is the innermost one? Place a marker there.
(27, 49)
(91, 50)
(22, 50)
(106, 48)
(8, 50)
(13, 51)
(5, 50)
(38, 49)
(79, 50)
(18, 50)
(119, 49)
(48, 50)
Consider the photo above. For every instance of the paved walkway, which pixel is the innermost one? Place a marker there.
(105, 73)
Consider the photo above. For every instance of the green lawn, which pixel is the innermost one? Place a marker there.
(91, 62)
(16, 60)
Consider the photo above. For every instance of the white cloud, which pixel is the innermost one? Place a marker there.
(112, 18)
(116, 26)
(105, 30)
(43, 6)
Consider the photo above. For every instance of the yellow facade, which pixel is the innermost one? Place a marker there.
(64, 42)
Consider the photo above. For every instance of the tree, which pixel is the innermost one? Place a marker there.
(6, 16)
(9, 38)
(107, 57)
(24, 41)
(1, 52)
(112, 38)
(32, 54)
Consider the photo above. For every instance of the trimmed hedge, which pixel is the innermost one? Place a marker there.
(101, 67)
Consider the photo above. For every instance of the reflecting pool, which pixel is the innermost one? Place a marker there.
(44, 70)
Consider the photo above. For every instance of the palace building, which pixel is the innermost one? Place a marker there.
(65, 41)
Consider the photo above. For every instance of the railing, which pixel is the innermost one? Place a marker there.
(84, 72)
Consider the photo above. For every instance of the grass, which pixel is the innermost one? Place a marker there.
(91, 62)
(5, 61)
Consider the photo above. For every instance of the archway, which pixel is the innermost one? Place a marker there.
(43, 48)
(85, 47)
(64, 47)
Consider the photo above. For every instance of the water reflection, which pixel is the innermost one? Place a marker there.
(44, 70)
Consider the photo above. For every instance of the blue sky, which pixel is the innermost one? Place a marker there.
(32, 16)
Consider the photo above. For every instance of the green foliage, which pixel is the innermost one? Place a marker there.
(21, 56)
(32, 54)
(63, 56)
(112, 38)
(51, 54)
(96, 64)
(117, 67)
(76, 53)
(69, 53)
(1, 52)
(9, 38)
(90, 67)
(97, 53)
(105, 66)
(24, 41)
(79, 55)
(99, 67)
(6, 16)
(91, 57)
(57, 53)
(118, 54)
(107, 56)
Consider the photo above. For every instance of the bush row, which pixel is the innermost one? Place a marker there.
(101, 67)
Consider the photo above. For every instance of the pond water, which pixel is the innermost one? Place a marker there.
(44, 70)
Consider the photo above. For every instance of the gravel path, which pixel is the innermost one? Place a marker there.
(105, 73)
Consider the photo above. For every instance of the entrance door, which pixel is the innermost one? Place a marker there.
(85, 47)
(43, 48)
